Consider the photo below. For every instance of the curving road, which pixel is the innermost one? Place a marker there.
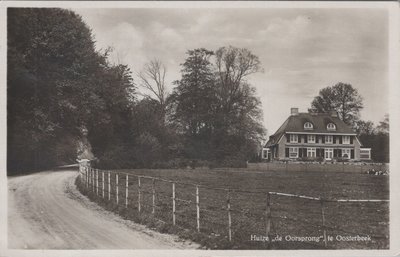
(46, 211)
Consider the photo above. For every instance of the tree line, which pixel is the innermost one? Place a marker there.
(63, 94)
(65, 98)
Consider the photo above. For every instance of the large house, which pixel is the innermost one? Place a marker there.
(314, 136)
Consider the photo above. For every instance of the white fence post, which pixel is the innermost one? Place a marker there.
(102, 182)
(116, 186)
(86, 178)
(97, 182)
(323, 223)
(173, 204)
(197, 208)
(139, 200)
(154, 197)
(126, 191)
(268, 216)
(228, 202)
(92, 171)
(109, 185)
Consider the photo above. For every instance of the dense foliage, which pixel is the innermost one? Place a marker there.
(342, 98)
(376, 138)
(59, 85)
(216, 108)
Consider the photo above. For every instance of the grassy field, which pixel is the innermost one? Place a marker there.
(290, 216)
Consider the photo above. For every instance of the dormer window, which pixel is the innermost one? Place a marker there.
(308, 126)
(331, 126)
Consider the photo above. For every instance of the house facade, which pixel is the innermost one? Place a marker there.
(315, 137)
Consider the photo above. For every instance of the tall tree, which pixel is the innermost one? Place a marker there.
(110, 130)
(342, 98)
(217, 109)
(51, 57)
(233, 66)
(152, 78)
(238, 114)
(194, 94)
(193, 101)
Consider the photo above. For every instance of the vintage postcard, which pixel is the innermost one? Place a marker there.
(203, 128)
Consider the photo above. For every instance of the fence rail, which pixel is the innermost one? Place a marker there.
(180, 203)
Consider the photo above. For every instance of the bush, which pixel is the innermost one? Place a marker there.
(341, 159)
(306, 159)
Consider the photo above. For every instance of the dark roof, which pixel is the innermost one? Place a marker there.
(295, 123)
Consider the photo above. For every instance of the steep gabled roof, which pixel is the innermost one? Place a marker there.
(275, 137)
(295, 123)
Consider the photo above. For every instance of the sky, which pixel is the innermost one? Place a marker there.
(301, 50)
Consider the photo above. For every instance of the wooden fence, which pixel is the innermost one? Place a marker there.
(230, 213)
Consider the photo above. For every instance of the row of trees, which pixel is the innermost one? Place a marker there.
(59, 86)
(212, 115)
(347, 102)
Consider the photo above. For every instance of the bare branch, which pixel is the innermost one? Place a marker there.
(152, 78)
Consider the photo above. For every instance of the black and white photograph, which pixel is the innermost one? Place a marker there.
(200, 126)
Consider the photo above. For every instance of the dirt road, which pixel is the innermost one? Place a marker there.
(46, 211)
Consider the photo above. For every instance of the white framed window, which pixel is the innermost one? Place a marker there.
(346, 153)
(365, 153)
(331, 126)
(311, 138)
(293, 152)
(328, 153)
(346, 140)
(308, 125)
(329, 139)
(293, 138)
(311, 152)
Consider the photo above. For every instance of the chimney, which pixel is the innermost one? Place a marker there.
(334, 114)
(294, 111)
